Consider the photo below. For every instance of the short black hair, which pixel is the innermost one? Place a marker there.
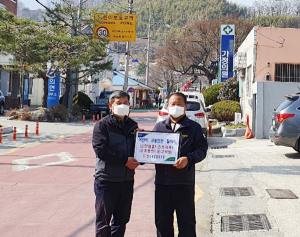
(179, 94)
(118, 94)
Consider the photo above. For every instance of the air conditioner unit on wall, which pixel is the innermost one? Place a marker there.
(268, 77)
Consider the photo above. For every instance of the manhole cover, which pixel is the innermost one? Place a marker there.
(281, 194)
(218, 147)
(234, 191)
(223, 156)
(245, 223)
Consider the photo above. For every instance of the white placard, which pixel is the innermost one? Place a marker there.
(157, 147)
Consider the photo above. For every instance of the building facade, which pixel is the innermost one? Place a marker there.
(267, 66)
(10, 5)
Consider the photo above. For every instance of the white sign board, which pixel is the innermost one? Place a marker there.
(157, 147)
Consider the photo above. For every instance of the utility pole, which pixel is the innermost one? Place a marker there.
(148, 50)
(127, 53)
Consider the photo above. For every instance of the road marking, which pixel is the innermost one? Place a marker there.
(18, 148)
(198, 193)
(23, 164)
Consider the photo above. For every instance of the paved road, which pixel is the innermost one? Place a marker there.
(46, 186)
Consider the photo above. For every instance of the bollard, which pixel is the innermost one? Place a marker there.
(1, 132)
(37, 128)
(83, 119)
(26, 131)
(97, 117)
(94, 118)
(15, 134)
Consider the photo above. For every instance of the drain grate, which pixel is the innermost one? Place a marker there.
(218, 147)
(281, 194)
(234, 191)
(245, 223)
(223, 156)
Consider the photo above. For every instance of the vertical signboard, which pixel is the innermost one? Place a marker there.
(53, 90)
(227, 52)
(26, 89)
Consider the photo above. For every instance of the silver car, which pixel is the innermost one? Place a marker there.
(285, 128)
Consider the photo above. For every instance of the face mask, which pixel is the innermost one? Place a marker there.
(176, 111)
(121, 110)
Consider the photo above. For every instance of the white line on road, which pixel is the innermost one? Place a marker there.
(24, 164)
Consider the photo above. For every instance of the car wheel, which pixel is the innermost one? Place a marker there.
(1, 109)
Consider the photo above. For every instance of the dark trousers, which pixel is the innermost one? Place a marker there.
(113, 206)
(179, 198)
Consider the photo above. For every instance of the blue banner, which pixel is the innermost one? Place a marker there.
(227, 51)
(26, 89)
(53, 90)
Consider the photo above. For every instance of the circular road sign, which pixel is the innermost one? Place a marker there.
(102, 32)
(131, 89)
(154, 91)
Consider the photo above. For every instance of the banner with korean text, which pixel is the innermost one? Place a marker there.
(157, 147)
(227, 52)
(53, 90)
(115, 27)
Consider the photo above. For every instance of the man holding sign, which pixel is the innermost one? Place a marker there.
(174, 184)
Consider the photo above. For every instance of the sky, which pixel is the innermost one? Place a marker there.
(32, 4)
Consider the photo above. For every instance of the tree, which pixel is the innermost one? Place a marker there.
(196, 51)
(84, 56)
(165, 78)
(34, 46)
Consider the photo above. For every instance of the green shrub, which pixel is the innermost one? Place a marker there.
(224, 110)
(211, 94)
(84, 101)
(229, 90)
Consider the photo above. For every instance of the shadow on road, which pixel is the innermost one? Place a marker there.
(295, 155)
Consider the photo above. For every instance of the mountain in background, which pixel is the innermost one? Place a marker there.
(34, 15)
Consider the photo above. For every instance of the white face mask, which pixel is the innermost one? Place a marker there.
(121, 110)
(176, 111)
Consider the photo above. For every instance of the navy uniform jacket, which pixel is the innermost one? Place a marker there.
(113, 142)
(193, 146)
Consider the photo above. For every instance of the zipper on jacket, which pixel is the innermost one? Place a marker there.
(129, 131)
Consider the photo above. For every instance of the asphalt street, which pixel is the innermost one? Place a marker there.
(46, 185)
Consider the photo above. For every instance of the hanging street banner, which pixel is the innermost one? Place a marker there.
(26, 89)
(115, 27)
(227, 52)
(53, 90)
(157, 147)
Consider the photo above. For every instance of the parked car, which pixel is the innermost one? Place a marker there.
(195, 110)
(2, 102)
(285, 129)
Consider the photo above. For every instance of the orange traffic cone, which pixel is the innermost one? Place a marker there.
(1, 132)
(26, 131)
(209, 128)
(37, 128)
(97, 117)
(83, 119)
(94, 118)
(15, 134)
(248, 133)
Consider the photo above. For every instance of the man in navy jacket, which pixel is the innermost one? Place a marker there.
(174, 185)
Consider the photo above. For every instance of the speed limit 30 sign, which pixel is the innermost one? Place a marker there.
(102, 32)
